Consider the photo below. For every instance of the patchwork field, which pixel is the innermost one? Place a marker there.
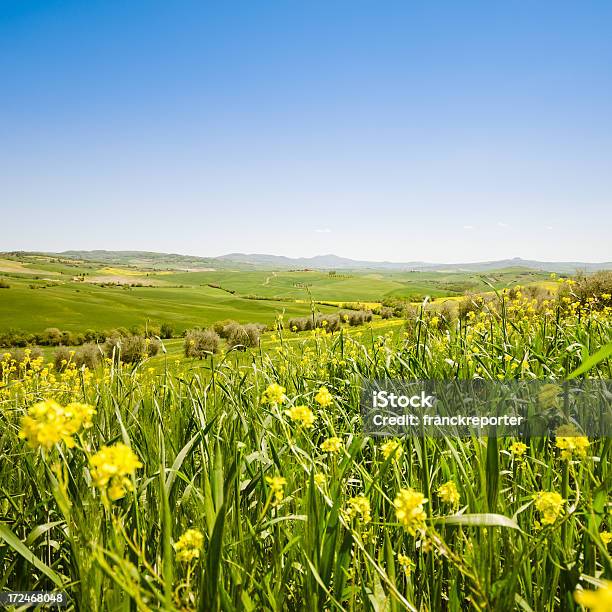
(77, 295)
(242, 478)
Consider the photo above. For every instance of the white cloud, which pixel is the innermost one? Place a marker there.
(324, 230)
(502, 224)
(549, 228)
(468, 227)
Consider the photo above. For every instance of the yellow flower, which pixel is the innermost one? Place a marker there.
(277, 484)
(570, 443)
(392, 447)
(448, 493)
(406, 562)
(550, 505)
(111, 466)
(518, 449)
(409, 510)
(79, 415)
(189, 545)
(332, 445)
(301, 414)
(597, 601)
(274, 394)
(358, 507)
(47, 423)
(319, 479)
(606, 537)
(324, 397)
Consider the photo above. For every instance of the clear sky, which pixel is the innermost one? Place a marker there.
(438, 131)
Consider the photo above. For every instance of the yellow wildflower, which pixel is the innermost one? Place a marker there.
(277, 484)
(409, 510)
(301, 414)
(274, 394)
(518, 449)
(448, 493)
(319, 479)
(48, 423)
(606, 537)
(111, 466)
(550, 505)
(324, 397)
(406, 562)
(571, 444)
(332, 445)
(189, 545)
(358, 507)
(597, 601)
(392, 447)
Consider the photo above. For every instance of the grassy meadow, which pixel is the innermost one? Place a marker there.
(243, 480)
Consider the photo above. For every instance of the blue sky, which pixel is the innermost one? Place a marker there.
(437, 131)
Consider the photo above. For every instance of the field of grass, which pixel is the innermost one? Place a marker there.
(70, 294)
(80, 306)
(245, 481)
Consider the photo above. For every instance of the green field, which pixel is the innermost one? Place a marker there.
(76, 295)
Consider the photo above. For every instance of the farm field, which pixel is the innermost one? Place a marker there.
(77, 295)
(245, 480)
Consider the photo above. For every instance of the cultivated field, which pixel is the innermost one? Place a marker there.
(243, 480)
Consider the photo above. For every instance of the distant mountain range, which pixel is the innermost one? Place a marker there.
(319, 262)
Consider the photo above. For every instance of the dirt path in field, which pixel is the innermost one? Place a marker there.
(267, 281)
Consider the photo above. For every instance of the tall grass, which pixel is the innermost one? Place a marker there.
(210, 449)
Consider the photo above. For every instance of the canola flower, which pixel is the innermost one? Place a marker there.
(518, 449)
(606, 537)
(392, 447)
(302, 415)
(409, 510)
(274, 394)
(406, 563)
(323, 397)
(47, 423)
(319, 479)
(111, 467)
(596, 601)
(277, 485)
(332, 445)
(550, 505)
(448, 493)
(358, 507)
(570, 444)
(189, 545)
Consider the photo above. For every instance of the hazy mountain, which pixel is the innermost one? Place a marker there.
(319, 262)
(333, 262)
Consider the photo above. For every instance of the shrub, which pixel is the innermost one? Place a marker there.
(166, 331)
(220, 327)
(386, 312)
(253, 333)
(4, 285)
(236, 336)
(19, 355)
(62, 357)
(131, 349)
(201, 343)
(597, 286)
(356, 317)
(15, 337)
(471, 303)
(330, 323)
(52, 336)
(88, 355)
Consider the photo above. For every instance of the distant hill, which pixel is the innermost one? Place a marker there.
(254, 261)
(333, 262)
